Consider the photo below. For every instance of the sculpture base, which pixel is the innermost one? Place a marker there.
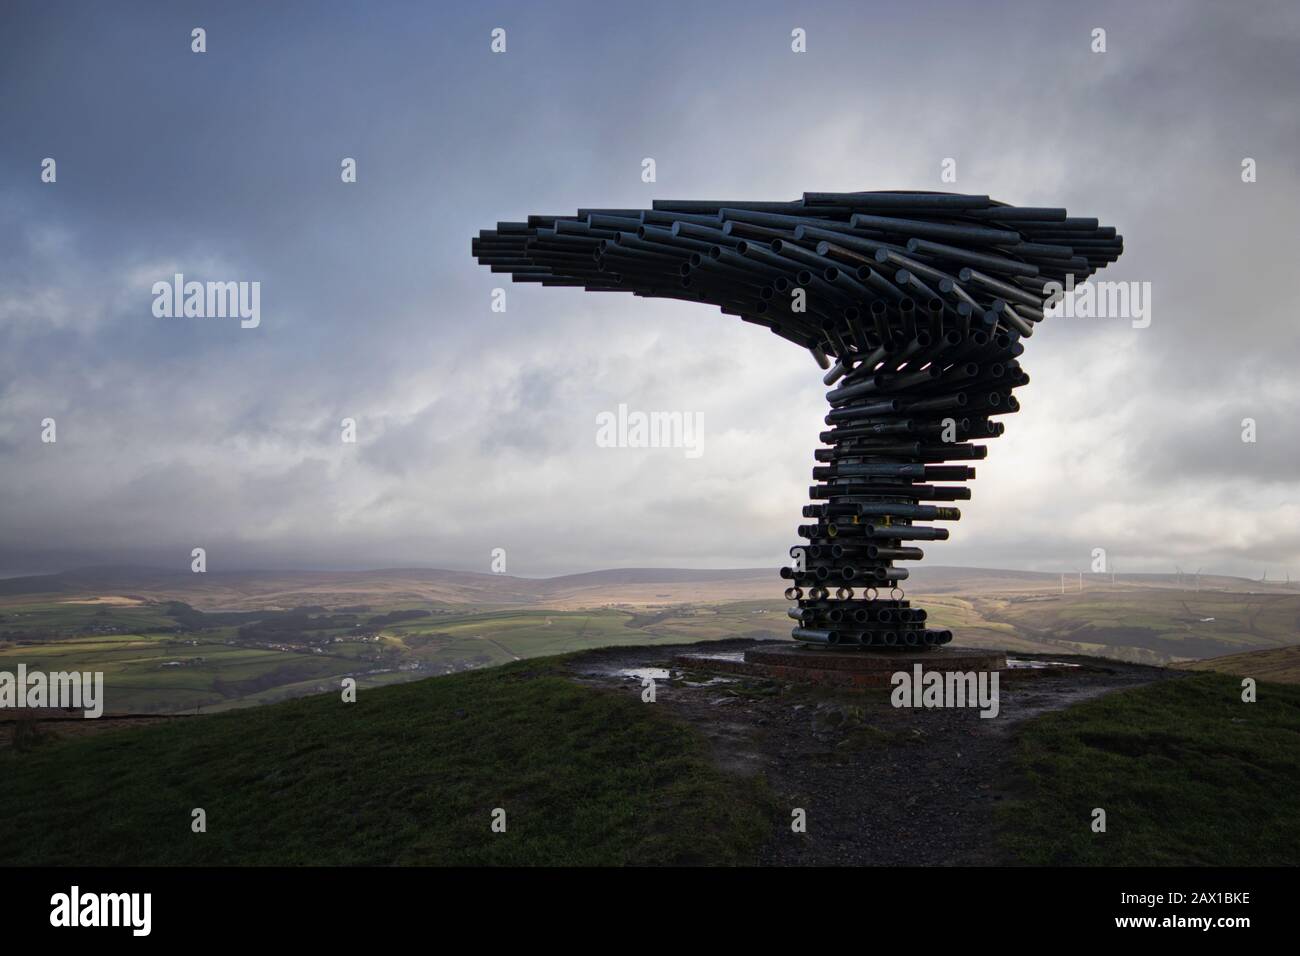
(833, 668)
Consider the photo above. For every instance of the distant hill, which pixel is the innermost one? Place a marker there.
(173, 640)
(248, 590)
(1280, 664)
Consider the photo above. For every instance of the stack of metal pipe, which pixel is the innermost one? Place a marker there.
(916, 303)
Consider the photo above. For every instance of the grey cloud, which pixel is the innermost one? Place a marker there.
(476, 428)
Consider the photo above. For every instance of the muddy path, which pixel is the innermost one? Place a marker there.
(879, 785)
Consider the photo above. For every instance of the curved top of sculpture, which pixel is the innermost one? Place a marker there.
(839, 273)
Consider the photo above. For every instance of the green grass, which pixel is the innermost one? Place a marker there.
(1150, 625)
(132, 644)
(53, 619)
(408, 774)
(137, 678)
(1187, 774)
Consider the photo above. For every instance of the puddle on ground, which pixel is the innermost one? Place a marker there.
(1015, 663)
(643, 673)
(736, 656)
(709, 682)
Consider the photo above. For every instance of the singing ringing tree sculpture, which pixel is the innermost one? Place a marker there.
(917, 303)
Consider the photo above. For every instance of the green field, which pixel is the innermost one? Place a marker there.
(1280, 666)
(1187, 773)
(1147, 625)
(162, 656)
(166, 673)
(43, 620)
(411, 774)
(211, 668)
(406, 775)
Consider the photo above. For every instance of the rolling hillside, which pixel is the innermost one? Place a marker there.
(1280, 665)
(588, 774)
(172, 642)
(262, 590)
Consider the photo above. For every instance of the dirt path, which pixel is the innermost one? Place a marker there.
(880, 785)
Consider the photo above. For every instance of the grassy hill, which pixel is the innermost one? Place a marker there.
(260, 590)
(1187, 773)
(411, 774)
(1280, 664)
(173, 642)
(154, 663)
(406, 775)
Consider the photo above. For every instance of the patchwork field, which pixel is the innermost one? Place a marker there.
(1152, 625)
(170, 643)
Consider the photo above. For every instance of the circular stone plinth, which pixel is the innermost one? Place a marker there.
(880, 662)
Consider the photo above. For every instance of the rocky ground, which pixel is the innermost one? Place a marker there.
(880, 785)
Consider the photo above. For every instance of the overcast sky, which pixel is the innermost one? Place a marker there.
(476, 429)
